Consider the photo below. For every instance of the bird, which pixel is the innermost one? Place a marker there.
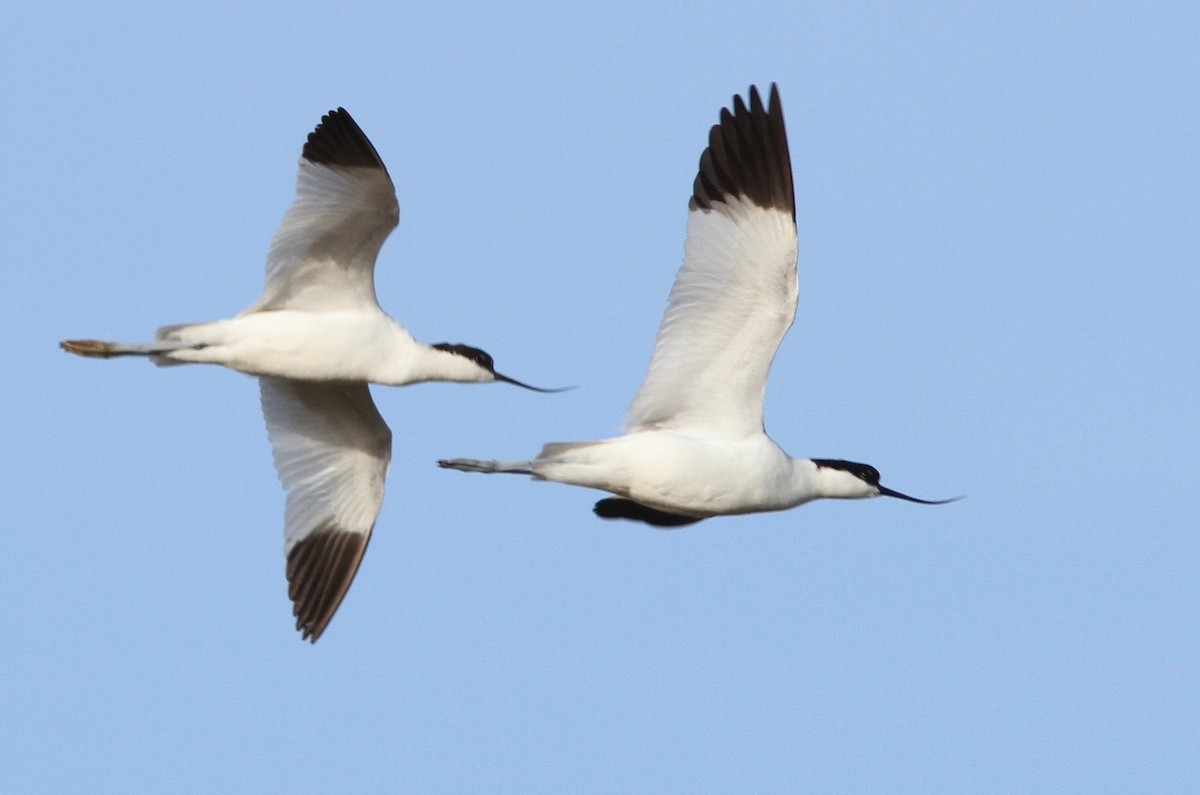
(315, 339)
(694, 445)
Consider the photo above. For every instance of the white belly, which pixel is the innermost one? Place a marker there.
(289, 344)
(677, 473)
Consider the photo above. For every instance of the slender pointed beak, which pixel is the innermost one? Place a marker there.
(886, 492)
(515, 382)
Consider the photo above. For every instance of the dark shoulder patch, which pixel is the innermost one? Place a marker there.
(747, 155)
(339, 141)
(319, 571)
(481, 358)
(618, 508)
(864, 472)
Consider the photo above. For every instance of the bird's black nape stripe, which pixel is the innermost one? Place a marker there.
(864, 472)
(339, 141)
(747, 156)
(618, 508)
(481, 358)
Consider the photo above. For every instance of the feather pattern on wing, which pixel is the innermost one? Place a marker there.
(323, 254)
(734, 297)
(332, 450)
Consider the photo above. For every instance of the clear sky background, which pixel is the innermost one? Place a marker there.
(999, 294)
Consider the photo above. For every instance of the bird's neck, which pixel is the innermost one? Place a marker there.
(806, 481)
(831, 482)
(416, 362)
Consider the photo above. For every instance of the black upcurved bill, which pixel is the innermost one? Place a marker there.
(886, 492)
(523, 385)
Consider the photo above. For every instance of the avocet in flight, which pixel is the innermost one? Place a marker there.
(694, 445)
(315, 339)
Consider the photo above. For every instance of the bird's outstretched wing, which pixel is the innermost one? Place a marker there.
(734, 297)
(332, 450)
(323, 255)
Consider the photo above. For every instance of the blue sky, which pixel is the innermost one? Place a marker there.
(999, 287)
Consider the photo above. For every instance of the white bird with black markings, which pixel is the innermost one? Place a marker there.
(315, 339)
(694, 445)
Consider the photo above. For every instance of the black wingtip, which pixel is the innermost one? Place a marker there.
(339, 141)
(747, 156)
(320, 569)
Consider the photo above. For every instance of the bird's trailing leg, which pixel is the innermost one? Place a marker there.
(487, 467)
(97, 349)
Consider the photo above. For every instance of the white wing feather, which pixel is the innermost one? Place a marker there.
(735, 295)
(732, 303)
(332, 450)
(323, 254)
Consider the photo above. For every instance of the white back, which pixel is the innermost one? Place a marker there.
(735, 295)
(323, 254)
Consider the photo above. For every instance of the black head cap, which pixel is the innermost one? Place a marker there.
(864, 472)
(481, 358)
(870, 475)
(484, 360)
